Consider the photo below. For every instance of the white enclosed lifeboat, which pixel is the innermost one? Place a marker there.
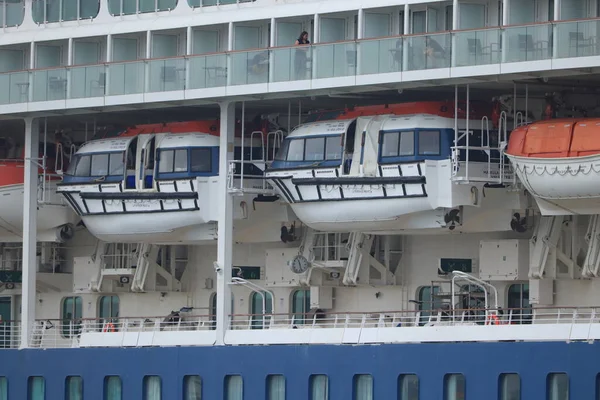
(162, 187)
(558, 162)
(395, 173)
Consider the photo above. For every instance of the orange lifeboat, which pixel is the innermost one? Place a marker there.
(558, 161)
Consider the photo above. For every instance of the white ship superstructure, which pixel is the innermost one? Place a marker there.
(195, 205)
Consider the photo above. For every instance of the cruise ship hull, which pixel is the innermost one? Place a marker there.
(481, 363)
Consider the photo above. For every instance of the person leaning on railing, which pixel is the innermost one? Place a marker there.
(301, 57)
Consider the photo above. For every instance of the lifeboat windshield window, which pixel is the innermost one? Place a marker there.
(116, 164)
(296, 150)
(99, 165)
(83, 166)
(165, 164)
(429, 143)
(180, 161)
(315, 149)
(398, 144)
(283, 151)
(200, 160)
(333, 148)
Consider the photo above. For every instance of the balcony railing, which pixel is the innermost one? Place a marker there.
(537, 324)
(472, 48)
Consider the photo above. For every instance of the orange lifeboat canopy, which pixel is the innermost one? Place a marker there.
(559, 138)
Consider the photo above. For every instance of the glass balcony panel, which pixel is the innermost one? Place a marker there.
(37, 9)
(114, 7)
(147, 6)
(52, 10)
(129, 7)
(380, 56)
(167, 75)
(228, 1)
(49, 84)
(527, 43)
(2, 8)
(577, 39)
(89, 8)
(335, 60)
(164, 5)
(69, 10)
(15, 12)
(249, 67)
(208, 71)
(292, 64)
(126, 78)
(428, 51)
(477, 47)
(88, 81)
(208, 2)
(17, 85)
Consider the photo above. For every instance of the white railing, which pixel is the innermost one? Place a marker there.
(183, 329)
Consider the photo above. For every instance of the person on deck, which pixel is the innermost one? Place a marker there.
(301, 57)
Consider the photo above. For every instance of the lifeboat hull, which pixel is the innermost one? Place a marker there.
(561, 186)
(52, 215)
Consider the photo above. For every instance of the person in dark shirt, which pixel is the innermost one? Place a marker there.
(301, 56)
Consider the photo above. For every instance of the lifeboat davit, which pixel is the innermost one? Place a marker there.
(55, 220)
(558, 162)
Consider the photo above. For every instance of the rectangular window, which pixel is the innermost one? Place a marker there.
(408, 387)
(192, 387)
(234, 387)
(180, 161)
(296, 150)
(74, 388)
(152, 387)
(275, 387)
(3, 388)
(558, 387)
(113, 388)
(117, 164)
(407, 144)
(398, 144)
(166, 161)
(429, 143)
(319, 387)
(333, 148)
(454, 387)
(71, 316)
(36, 388)
(99, 165)
(315, 149)
(389, 147)
(363, 387)
(83, 166)
(201, 160)
(510, 387)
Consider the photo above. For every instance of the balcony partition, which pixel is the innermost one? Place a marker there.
(323, 61)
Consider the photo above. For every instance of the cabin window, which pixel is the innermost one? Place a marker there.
(82, 165)
(99, 165)
(113, 388)
(3, 388)
(71, 316)
(363, 387)
(275, 387)
(558, 387)
(201, 160)
(234, 387)
(300, 305)
(283, 150)
(454, 387)
(192, 387)
(319, 387)
(510, 387)
(333, 148)
(36, 388)
(152, 387)
(259, 320)
(429, 143)
(408, 387)
(73, 388)
(173, 161)
(296, 150)
(398, 144)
